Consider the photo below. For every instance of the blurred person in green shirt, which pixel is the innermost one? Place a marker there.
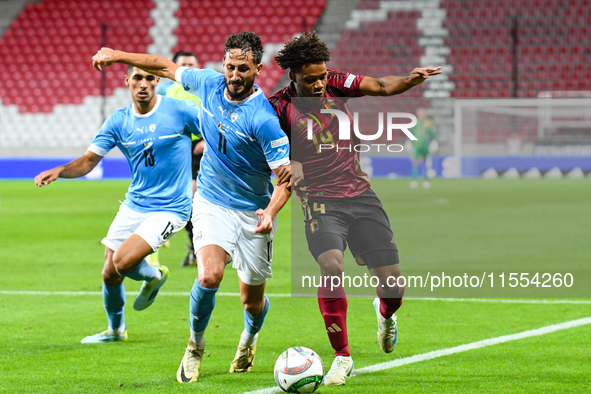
(176, 90)
(425, 145)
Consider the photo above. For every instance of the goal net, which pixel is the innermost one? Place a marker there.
(548, 137)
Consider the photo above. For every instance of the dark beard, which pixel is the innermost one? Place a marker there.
(239, 96)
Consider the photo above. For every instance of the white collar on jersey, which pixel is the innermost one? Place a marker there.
(257, 92)
(149, 113)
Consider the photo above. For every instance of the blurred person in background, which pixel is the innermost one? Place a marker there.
(183, 59)
(425, 145)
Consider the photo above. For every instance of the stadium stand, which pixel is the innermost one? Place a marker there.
(394, 48)
(551, 42)
(52, 40)
(47, 77)
(57, 38)
(400, 35)
(553, 45)
(205, 25)
(53, 96)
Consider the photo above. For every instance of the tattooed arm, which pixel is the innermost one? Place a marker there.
(153, 64)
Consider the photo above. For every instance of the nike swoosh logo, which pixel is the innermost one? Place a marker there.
(245, 369)
(153, 295)
(184, 378)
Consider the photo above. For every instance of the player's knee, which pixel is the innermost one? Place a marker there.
(211, 278)
(390, 271)
(330, 264)
(111, 277)
(331, 269)
(119, 262)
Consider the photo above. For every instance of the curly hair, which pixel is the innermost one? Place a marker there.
(246, 41)
(306, 49)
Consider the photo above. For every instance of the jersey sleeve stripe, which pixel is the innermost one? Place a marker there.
(179, 73)
(278, 163)
(99, 151)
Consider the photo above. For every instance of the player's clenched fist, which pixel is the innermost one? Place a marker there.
(103, 58)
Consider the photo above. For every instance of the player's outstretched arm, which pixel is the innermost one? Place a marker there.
(74, 169)
(392, 85)
(280, 196)
(152, 64)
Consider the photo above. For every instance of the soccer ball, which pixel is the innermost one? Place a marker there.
(299, 370)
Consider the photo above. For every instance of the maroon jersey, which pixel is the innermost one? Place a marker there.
(328, 172)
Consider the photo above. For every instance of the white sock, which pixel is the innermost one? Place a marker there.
(248, 339)
(197, 337)
(158, 276)
(120, 330)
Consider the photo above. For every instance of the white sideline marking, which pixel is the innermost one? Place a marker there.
(287, 295)
(401, 361)
(502, 300)
(77, 293)
(474, 345)
(456, 349)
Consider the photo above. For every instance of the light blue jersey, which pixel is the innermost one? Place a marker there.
(244, 142)
(157, 146)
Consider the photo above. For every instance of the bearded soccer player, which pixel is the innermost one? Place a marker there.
(339, 206)
(235, 208)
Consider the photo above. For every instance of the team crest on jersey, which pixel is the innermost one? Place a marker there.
(233, 117)
(152, 127)
(303, 124)
(198, 235)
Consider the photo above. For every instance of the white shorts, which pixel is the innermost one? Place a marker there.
(154, 227)
(233, 231)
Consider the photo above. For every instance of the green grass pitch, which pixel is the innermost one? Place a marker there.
(50, 241)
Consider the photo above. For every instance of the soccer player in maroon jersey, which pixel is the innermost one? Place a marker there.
(339, 206)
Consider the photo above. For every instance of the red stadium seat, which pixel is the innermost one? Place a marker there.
(58, 37)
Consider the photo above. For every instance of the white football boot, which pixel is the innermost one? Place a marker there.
(341, 368)
(149, 290)
(387, 329)
(109, 335)
(244, 359)
(189, 369)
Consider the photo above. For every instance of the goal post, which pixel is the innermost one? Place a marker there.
(528, 137)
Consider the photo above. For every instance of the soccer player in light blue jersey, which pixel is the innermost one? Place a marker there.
(154, 134)
(235, 208)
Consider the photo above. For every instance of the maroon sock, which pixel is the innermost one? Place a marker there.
(389, 306)
(334, 313)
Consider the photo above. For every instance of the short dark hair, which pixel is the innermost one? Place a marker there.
(306, 49)
(247, 41)
(176, 56)
(129, 69)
